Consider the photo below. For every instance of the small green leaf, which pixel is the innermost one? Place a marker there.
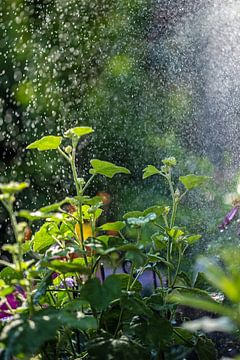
(193, 238)
(141, 220)
(13, 187)
(175, 233)
(170, 161)
(158, 210)
(192, 181)
(106, 168)
(78, 131)
(132, 214)
(114, 226)
(149, 171)
(46, 143)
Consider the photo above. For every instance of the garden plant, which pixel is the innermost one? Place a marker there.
(57, 301)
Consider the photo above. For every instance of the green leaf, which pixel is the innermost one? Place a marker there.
(192, 239)
(13, 187)
(205, 349)
(149, 171)
(114, 226)
(106, 168)
(141, 220)
(158, 210)
(217, 277)
(56, 206)
(201, 302)
(44, 237)
(192, 181)
(175, 233)
(8, 274)
(46, 143)
(78, 131)
(100, 296)
(25, 336)
(68, 267)
(132, 214)
(105, 348)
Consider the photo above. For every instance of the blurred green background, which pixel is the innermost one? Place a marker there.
(112, 65)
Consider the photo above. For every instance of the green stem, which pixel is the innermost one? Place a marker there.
(178, 267)
(79, 194)
(88, 183)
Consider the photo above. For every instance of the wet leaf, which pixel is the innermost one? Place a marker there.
(114, 226)
(149, 171)
(192, 181)
(78, 131)
(106, 168)
(13, 187)
(46, 143)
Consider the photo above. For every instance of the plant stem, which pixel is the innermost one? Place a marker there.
(88, 183)
(178, 267)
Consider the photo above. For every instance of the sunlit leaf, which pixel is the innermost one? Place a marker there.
(192, 181)
(13, 187)
(114, 226)
(49, 142)
(106, 168)
(78, 131)
(149, 171)
(44, 236)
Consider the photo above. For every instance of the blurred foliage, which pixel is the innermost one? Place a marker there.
(93, 62)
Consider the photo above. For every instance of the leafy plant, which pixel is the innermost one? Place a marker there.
(56, 280)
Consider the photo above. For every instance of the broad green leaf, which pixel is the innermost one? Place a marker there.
(114, 226)
(46, 143)
(44, 236)
(104, 347)
(149, 171)
(13, 187)
(100, 296)
(192, 181)
(68, 267)
(106, 168)
(25, 336)
(78, 131)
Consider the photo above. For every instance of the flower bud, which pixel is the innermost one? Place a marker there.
(68, 149)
